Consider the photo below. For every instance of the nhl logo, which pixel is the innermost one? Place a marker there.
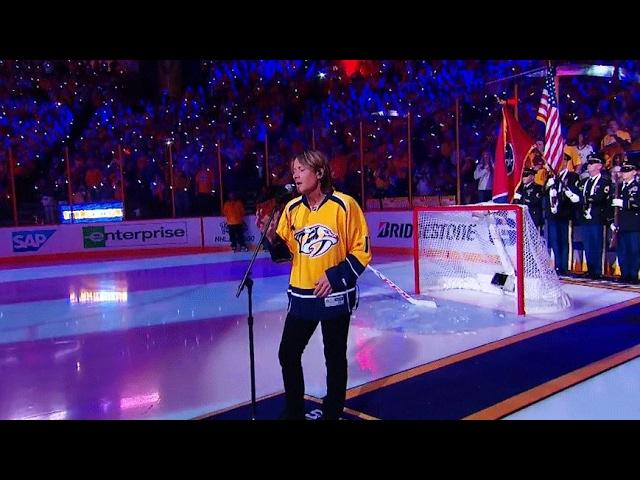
(508, 158)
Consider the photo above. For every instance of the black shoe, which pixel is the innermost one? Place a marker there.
(287, 415)
(330, 414)
(330, 417)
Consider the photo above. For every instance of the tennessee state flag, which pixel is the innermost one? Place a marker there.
(512, 147)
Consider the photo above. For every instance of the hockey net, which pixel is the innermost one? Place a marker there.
(492, 248)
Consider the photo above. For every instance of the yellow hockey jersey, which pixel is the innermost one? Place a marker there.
(334, 240)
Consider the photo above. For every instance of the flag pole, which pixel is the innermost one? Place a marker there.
(556, 81)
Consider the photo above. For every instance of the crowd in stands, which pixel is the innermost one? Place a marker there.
(120, 139)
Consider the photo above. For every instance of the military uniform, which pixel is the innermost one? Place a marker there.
(563, 197)
(628, 228)
(531, 196)
(595, 199)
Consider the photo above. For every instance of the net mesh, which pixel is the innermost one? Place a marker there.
(465, 249)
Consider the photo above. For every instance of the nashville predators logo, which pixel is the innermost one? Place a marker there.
(315, 240)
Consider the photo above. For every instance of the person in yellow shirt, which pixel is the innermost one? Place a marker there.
(615, 135)
(540, 172)
(616, 141)
(325, 235)
(575, 160)
(233, 210)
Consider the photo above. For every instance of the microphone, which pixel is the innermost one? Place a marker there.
(288, 189)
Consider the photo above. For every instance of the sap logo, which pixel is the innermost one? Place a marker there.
(315, 240)
(30, 241)
(395, 230)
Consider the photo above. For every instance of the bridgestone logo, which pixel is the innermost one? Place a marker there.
(133, 235)
(395, 230)
(449, 231)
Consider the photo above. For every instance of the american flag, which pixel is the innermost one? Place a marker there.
(549, 115)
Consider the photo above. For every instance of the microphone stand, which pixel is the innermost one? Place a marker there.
(248, 282)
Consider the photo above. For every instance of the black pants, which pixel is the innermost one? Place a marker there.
(629, 255)
(236, 236)
(485, 195)
(559, 243)
(295, 337)
(593, 241)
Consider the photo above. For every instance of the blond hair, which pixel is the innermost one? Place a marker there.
(317, 162)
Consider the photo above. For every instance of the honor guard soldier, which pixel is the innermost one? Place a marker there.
(530, 194)
(628, 225)
(595, 200)
(563, 198)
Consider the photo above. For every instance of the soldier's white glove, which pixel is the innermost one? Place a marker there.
(616, 202)
(517, 196)
(550, 182)
(572, 196)
(614, 228)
